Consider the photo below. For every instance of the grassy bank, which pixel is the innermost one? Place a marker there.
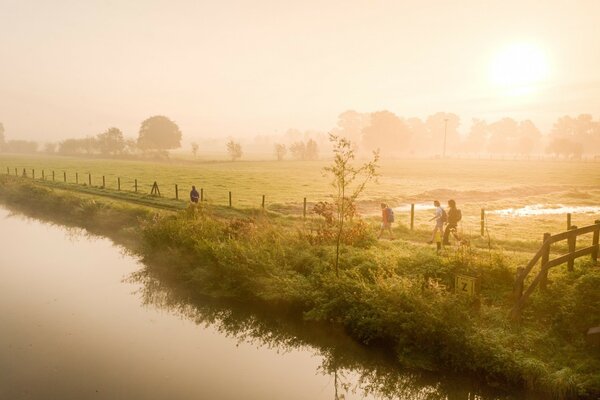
(393, 294)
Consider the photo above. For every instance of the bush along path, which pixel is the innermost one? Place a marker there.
(393, 294)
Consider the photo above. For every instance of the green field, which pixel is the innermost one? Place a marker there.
(397, 291)
(475, 184)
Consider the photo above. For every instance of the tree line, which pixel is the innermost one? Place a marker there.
(437, 134)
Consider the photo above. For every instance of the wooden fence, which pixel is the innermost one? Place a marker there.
(520, 293)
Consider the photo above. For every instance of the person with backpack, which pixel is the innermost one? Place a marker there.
(440, 218)
(194, 195)
(387, 217)
(454, 217)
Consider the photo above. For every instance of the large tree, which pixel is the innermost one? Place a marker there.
(387, 132)
(159, 133)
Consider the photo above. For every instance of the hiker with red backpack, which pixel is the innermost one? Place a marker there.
(387, 217)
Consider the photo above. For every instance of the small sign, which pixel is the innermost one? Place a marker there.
(464, 284)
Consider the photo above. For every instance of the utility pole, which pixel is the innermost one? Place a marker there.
(445, 133)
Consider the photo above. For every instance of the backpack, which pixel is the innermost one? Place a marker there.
(458, 215)
(444, 216)
(390, 215)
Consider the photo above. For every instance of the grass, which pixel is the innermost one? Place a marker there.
(278, 267)
(395, 294)
(474, 184)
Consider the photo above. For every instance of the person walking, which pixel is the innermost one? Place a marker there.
(439, 218)
(454, 216)
(194, 195)
(387, 217)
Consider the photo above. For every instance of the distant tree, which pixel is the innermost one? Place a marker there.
(50, 148)
(280, 151)
(311, 150)
(22, 146)
(2, 138)
(350, 125)
(582, 130)
(477, 137)
(159, 133)
(564, 146)
(110, 142)
(131, 147)
(298, 150)
(529, 137)
(70, 147)
(503, 134)
(387, 132)
(234, 150)
(419, 135)
(194, 149)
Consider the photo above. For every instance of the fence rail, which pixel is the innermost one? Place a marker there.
(520, 293)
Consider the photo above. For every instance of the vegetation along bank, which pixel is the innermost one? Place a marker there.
(396, 294)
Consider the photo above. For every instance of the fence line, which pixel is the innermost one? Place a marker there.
(154, 190)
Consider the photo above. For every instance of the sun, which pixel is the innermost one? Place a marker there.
(519, 67)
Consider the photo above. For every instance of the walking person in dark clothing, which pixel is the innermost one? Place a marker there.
(454, 216)
(194, 195)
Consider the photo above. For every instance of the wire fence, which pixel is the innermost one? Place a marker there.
(415, 216)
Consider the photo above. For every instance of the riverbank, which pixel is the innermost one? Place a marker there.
(393, 294)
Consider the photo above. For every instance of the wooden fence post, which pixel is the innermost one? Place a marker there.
(595, 241)
(53, 176)
(32, 173)
(16, 174)
(304, 209)
(119, 183)
(65, 176)
(135, 185)
(482, 222)
(103, 181)
(571, 241)
(519, 283)
(201, 194)
(568, 221)
(43, 175)
(76, 177)
(176, 192)
(545, 258)
(263, 202)
(229, 199)
(24, 173)
(90, 178)
(412, 216)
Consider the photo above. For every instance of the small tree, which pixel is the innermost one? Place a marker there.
(312, 150)
(280, 151)
(2, 139)
(194, 149)
(298, 150)
(348, 182)
(111, 142)
(234, 149)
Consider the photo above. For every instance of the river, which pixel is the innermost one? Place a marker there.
(80, 320)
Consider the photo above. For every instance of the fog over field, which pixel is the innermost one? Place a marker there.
(276, 72)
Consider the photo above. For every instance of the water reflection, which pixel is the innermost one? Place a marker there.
(355, 369)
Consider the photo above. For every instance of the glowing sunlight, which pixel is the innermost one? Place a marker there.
(518, 68)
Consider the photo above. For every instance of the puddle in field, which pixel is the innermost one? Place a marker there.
(418, 207)
(544, 209)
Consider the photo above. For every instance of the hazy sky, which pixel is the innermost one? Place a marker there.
(241, 68)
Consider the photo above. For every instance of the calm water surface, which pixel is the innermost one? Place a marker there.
(74, 324)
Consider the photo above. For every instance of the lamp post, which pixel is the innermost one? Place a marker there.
(445, 134)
